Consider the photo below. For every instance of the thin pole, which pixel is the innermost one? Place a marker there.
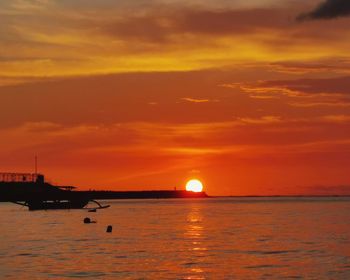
(36, 165)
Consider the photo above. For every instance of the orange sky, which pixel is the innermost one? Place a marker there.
(251, 98)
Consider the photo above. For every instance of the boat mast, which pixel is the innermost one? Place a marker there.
(36, 166)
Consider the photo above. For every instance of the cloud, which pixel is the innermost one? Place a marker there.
(328, 9)
(326, 94)
(308, 104)
(198, 100)
(89, 38)
(327, 87)
(337, 118)
(164, 25)
(7, 81)
(331, 65)
(262, 120)
(266, 89)
(331, 86)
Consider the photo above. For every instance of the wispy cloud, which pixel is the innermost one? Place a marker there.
(262, 120)
(302, 93)
(335, 65)
(165, 24)
(198, 100)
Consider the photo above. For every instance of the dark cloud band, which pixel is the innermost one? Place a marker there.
(328, 9)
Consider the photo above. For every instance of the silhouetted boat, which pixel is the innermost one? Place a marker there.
(59, 204)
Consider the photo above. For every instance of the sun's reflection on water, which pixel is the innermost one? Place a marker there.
(195, 237)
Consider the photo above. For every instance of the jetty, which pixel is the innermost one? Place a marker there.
(31, 190)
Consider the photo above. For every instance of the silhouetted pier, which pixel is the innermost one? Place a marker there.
(32, 191)
(143, 194)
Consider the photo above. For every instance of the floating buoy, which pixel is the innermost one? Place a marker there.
(109, 228)
(87, 220)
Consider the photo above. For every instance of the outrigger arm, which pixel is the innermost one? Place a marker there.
(99, 206)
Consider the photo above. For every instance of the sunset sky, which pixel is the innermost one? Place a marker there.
(251, 97)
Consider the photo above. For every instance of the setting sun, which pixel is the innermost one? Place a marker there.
(194, 186)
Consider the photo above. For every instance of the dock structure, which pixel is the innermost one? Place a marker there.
(31, 190)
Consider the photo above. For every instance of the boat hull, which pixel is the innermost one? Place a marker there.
(56, 205)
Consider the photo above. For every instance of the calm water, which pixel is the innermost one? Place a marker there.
(181, 239)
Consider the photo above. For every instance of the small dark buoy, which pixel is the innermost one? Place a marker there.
(109, 228)
(88, 221)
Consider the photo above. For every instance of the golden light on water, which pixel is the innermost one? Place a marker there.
(194, 185)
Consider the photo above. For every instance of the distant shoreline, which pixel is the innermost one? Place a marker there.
(272, 196)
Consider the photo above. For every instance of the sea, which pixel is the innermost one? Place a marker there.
(213, 238)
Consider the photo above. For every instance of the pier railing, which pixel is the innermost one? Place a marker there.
(19, 177)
